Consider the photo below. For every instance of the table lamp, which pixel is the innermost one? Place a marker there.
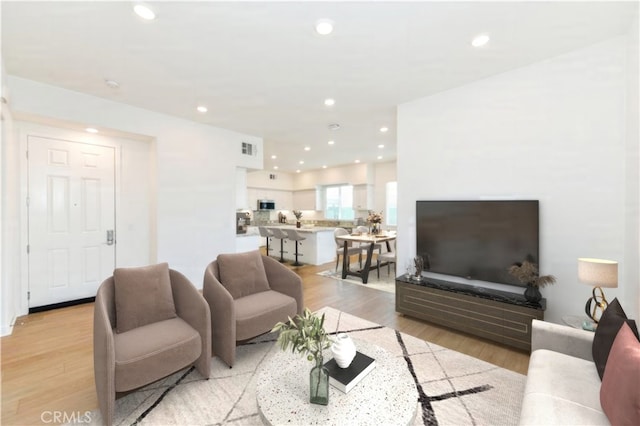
(598, 273)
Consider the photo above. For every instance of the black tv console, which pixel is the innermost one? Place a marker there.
(492, 314)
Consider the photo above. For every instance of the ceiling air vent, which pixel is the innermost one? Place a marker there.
(249, 149)
(273, 176)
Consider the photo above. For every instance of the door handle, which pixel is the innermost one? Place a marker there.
(110, 237)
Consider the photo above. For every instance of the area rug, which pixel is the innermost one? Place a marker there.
(384, 283)
(451, 388)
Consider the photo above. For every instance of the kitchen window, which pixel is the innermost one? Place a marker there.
(391, 203)
(338, 202)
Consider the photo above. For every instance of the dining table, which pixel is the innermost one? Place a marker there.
(366, 240)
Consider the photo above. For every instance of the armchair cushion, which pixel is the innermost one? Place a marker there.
(242, 274)
(150, 352)
(142, 296)
(620, 393)
(259, 312)
(612, 319)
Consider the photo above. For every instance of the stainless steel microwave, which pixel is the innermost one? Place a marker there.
(266, 205)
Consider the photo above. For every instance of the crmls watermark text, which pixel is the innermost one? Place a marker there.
(65, 417)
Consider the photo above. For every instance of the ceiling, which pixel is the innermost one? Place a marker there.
(261, 69)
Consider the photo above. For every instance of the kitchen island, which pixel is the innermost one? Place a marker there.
(317, 248)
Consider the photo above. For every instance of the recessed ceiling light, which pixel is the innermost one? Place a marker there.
(301, 162)
(307, 148)
(298, 171)
(111, 83)
(91, 130)
(357, 161)
(324, 166)
(384, 129)
(275, 167)
(273, 157)
(331, 142)
(329, 102)
(381, 146)
(324, 26)
(379, 157)
(480, 40)
(334, 126)
(144, 12)
(202, 108)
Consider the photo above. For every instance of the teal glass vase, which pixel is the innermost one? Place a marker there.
(319, 383)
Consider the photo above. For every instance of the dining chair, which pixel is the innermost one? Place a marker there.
(350, 249)
(389, 257)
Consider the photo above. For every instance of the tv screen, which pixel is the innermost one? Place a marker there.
(477, 240)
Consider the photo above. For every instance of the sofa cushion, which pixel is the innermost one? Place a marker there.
(151, 352)
(561, 389)
(142, 296)
(612, 319)
(259, 312)
(242, 274)
(620, 390)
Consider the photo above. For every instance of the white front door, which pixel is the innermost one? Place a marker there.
(71, 219)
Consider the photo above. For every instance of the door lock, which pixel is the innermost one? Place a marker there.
(110, 237)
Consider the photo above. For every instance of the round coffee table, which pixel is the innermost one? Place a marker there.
(387, 395)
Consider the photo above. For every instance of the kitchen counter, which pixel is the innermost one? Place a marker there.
(317, 248)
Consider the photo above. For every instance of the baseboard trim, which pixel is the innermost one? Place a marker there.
(61, 305)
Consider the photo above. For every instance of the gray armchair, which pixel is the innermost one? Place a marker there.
(148, 323)
(248, 294)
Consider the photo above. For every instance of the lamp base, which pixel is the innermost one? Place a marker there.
(596, 305)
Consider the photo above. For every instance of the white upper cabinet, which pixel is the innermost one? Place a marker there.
(363, 197)
(305, 200)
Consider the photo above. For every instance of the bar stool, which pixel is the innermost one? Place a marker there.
(279, 234)
(294, 235)
(265, 232)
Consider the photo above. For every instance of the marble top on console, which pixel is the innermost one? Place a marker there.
(476, 291)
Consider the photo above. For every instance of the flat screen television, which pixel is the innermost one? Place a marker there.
(477, 240)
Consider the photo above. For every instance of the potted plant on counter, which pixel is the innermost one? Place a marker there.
(298, 215)
(306, 335)
(527, 273)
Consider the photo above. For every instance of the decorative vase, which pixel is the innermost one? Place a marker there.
(319, 383)
(344, 350)
(532, 294)
(375, 228)
(298, 224)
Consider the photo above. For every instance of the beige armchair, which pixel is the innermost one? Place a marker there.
(248, 294)
(148, 323)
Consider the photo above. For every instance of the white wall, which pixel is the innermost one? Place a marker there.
(195, 198)
(632, 243)
(9, 214)
(384, 173)
(552, 131)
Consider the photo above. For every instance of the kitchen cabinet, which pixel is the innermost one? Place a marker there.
(363, 197)
(305, 200)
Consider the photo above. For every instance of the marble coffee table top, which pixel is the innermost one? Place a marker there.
(387, 395)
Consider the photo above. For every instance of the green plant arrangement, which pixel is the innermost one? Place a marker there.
(305, 334)
(297, 214)
(527, 273)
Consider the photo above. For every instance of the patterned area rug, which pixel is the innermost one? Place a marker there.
(384, 283)
(450, 388)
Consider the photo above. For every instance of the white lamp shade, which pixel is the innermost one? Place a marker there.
(598, 272)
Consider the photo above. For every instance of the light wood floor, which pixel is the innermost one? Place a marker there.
(47, 363)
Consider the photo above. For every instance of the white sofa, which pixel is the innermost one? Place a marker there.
(563, 386)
